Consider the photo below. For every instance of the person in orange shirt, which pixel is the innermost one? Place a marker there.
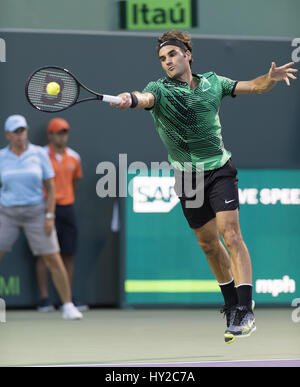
(67, 167)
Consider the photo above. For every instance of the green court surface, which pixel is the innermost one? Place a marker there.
(139, 336)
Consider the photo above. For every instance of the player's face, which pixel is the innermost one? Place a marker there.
(174, 61)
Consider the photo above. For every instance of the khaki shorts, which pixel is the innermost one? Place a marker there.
(30, 219)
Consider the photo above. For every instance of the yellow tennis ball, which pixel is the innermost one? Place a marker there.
(53, 88)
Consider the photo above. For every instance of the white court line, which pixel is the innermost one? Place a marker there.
(174, 364)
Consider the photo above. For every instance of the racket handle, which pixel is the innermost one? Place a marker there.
(111, 98)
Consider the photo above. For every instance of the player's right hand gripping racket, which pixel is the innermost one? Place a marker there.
(69, 90)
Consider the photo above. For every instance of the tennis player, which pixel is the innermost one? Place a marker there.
(185, 108)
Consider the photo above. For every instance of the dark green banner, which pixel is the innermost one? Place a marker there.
(157, 14)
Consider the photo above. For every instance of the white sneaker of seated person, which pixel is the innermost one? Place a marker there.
(70, 312)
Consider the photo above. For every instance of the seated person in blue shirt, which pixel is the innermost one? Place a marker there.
(24, 170)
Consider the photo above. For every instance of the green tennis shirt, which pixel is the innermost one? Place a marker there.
(187, 120)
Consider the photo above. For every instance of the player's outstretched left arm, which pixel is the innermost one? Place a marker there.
(266, 82)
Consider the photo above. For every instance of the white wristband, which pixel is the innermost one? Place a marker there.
(49, 215)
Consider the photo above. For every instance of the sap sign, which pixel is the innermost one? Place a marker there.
(154, 194)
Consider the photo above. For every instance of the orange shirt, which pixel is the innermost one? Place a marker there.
(67, 167)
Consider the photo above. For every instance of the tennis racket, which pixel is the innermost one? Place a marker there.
(69, 90)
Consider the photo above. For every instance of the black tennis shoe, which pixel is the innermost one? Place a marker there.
(229, 313)
(243, 324)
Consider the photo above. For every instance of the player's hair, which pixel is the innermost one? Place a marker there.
(181, 36)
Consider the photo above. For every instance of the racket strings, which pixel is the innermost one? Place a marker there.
(38, 96)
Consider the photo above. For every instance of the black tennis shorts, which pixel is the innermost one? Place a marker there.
(66, 228)
(220, 194)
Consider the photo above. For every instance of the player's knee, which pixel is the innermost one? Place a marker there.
(52, 261)
(209, 247)
(232, 238)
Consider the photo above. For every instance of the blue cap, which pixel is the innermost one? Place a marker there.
(14, 122)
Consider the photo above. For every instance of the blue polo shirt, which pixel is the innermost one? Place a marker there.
(21, 177)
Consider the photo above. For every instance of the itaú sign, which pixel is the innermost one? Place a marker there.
(157, 14)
